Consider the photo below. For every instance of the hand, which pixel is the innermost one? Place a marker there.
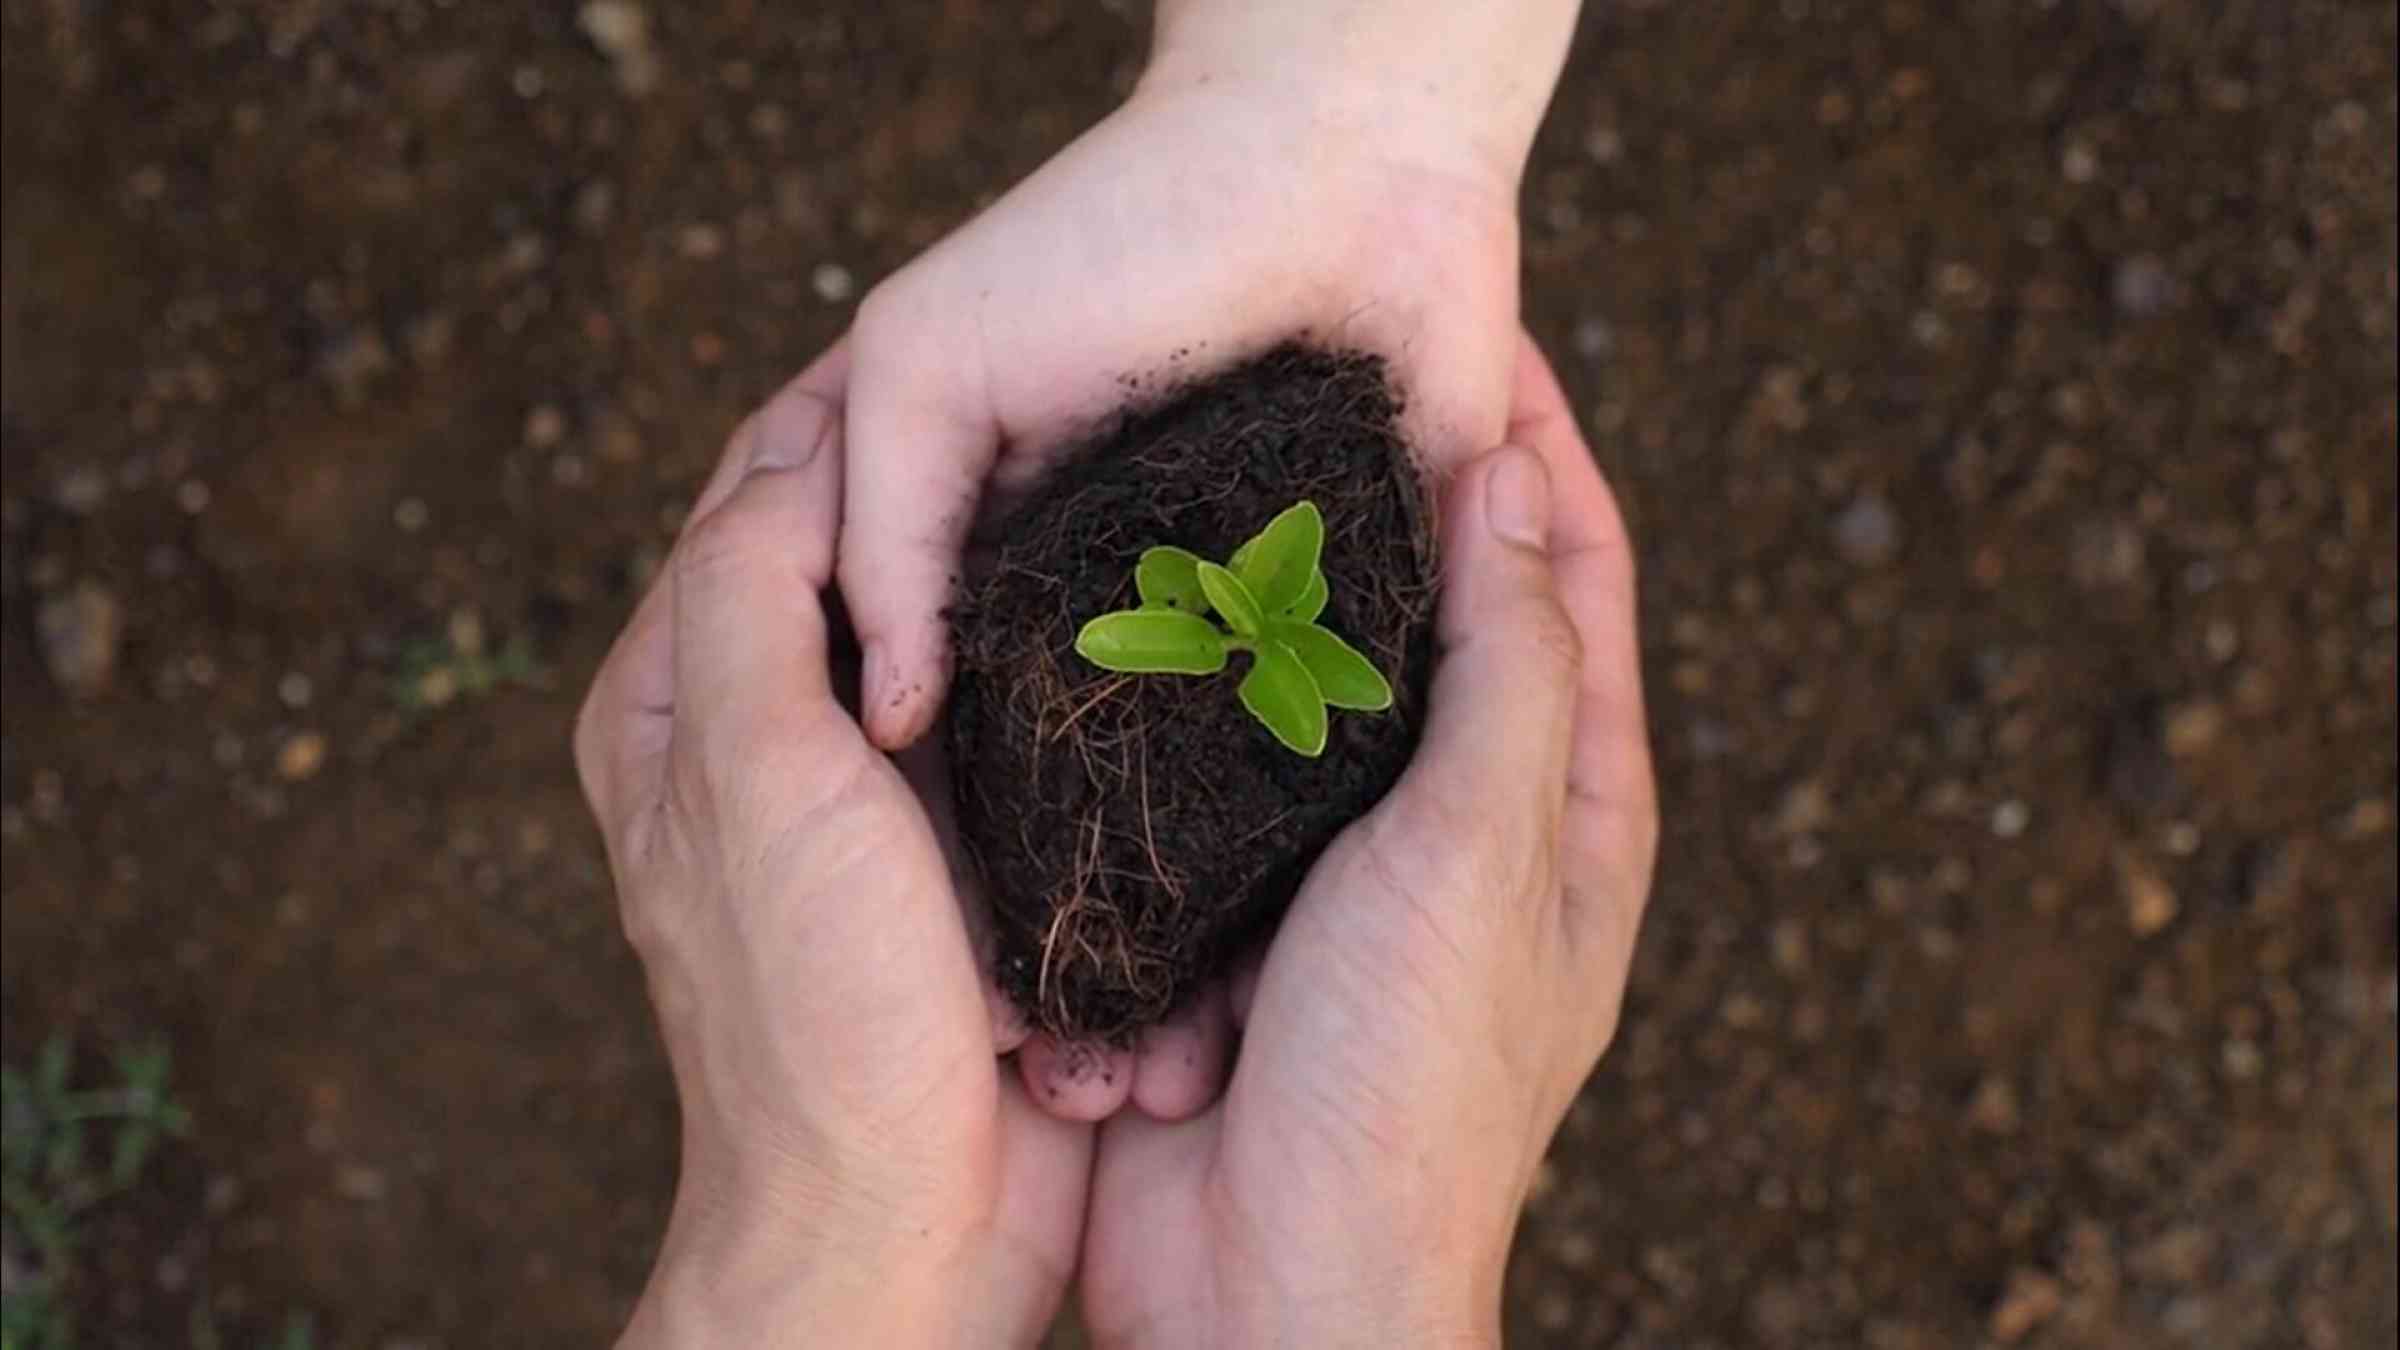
(1214, 215)
(1245, 195)
(856, 1168)
(1445, 979)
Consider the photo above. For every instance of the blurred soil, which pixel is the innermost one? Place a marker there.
(2003, 395)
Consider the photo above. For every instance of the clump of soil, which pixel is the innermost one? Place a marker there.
(1136, 832)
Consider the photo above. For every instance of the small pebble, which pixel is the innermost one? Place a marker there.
(2030, 1299)
(351, 360)
(2191, 727)
(545, 426)
(621, 30)
(294, 689)
(2150, 903)
(2106, 553)
(1594, 338)
(81, 490)
(82, 631)
(1993, 1109)
(301, 757)
(2010, 818)
(700, 242)
(430, 337)
(2370, 817)
(595, 206)
(831, 281)
(2142, 286)
(411, 514)
(2242, 1059)
(1867, 532)
(356, 1181)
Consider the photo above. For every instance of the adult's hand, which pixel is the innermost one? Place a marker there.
(1286, 168)
(856, 1169)
(1444, 981)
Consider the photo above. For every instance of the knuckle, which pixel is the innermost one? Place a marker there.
(1548, 638)
(590, 744)
(793, 426)
(724, 539)
(884, 315)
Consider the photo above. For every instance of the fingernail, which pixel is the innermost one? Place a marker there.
(1516, 498)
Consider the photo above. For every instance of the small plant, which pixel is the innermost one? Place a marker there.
(52, 1180)
(433, 672)
(1269, 594)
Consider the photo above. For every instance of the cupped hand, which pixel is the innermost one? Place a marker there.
(1445, 979)
(857, 1169)
(1204, 221)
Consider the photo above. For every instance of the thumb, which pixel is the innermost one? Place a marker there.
(750, 632)
(1502, 715)
(920, 446)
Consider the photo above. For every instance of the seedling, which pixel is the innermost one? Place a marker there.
(1269, 594)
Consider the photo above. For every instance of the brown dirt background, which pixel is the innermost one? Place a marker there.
(2003, 394)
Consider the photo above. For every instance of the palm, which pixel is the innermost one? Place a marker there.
(1181, 234)
(1240, 244)
(1272, 1177)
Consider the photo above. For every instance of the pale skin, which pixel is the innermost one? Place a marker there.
(1332, 1147)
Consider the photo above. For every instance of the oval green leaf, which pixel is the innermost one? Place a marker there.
(1344, 677)
(1277, 564)
(1312, 600)
(1169, 578)
(1232, 600)
(1283, 696)
(1152, 642)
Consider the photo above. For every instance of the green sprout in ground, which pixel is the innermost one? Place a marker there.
(435, 672)
(1269, 594)
(53, 1179)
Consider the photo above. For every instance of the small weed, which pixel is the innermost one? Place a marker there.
(434, 672)
(65, 1151)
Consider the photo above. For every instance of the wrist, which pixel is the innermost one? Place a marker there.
(1458, 89)
(761, 1267)
(1410, 1293)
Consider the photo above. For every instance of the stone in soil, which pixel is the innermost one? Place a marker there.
(82, 630)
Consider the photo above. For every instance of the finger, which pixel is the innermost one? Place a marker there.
(1045, 1165)
(1503, 697)
(1075, 1081)
(1611, 826)
(622, 733)
(749, 623)
(1179, 1065)
(928, 772)
(1241, 986)
(920, 445)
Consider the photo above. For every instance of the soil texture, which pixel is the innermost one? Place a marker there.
(1134, 832)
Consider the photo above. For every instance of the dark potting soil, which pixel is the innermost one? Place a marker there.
(1136, 832)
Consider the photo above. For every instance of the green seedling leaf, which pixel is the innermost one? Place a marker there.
(1312, 600)
(1169, 578)
(1344, 677)
(1241, 556)
(1232, 600)
(1281, 693)
(1277, 564)
(1152, 642)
